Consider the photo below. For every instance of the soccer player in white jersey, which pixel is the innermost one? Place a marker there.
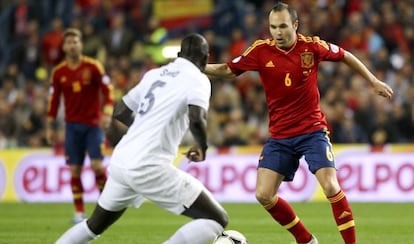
(166, 103)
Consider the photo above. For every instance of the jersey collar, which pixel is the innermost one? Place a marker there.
(290, 49)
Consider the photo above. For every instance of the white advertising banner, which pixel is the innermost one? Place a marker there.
(232, 178)
(44, 177)
(371, 177)
(365, 176)
(3, 179)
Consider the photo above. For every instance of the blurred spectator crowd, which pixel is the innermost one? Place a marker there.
(122, 33)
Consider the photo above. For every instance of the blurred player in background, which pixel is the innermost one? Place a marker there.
(288, 64)
(82, 81)
(159, 110)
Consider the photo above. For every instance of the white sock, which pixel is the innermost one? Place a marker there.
(198, 231)
(77, 234)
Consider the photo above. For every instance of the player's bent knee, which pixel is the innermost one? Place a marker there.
(330, 188)
(264, 198)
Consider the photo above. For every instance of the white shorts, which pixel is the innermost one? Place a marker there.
(163, 184)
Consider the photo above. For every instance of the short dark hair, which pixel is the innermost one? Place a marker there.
(72, 32)
(194, 47)
(280, 6)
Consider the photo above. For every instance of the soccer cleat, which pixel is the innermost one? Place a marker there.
(79, 217)
(312, 241)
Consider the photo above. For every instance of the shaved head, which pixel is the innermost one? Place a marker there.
(194, 47)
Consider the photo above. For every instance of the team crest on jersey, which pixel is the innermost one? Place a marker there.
(86, 76)
(307, 59)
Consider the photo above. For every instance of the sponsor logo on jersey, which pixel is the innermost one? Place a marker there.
(270, 64)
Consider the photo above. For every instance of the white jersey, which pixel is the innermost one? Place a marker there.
(160, 102)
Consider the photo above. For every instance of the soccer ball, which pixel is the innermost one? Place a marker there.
(230, 237)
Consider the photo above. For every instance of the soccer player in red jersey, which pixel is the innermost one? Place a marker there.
(82, 81)
(288, 64)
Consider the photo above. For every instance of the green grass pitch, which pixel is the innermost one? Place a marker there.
(376, 223)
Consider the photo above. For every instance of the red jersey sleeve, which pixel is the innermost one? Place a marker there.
(248, 60)
(328, 51)
(54, 94)
(107, 90)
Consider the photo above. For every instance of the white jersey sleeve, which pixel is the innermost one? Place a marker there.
(200, 92)
(132, 98)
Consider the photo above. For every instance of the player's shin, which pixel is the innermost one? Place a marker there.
(343, 217)
(284, 214)
(77, 191)
(100, 179)
(198, 231)
(79, 233)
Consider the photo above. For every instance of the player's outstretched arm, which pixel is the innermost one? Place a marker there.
(380, 87)
(219, 70)
(123, 113)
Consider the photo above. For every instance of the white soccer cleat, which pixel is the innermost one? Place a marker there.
(230, 237)
(79, 217)
(312, 241)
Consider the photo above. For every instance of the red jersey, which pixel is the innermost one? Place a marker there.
(81, 88)
(289, 79)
